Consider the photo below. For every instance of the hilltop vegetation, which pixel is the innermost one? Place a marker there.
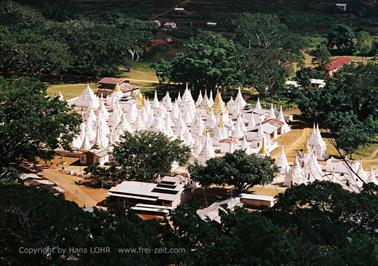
(318, 224)
(57, 40)
(38, 42)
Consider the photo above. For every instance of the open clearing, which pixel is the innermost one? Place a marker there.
(141, 75)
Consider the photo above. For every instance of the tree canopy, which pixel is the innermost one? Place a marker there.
(316, 224)
(270, 51)
(347, 106)
(209, 61)
(236, 169)
(47, 47)
(143, 156)
(32, 125)
(341, 40)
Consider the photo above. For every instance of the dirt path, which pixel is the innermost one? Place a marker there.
(83, 196)
(375, 153)
(292, 141)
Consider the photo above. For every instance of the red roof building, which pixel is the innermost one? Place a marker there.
(157, 42)
(336, 64)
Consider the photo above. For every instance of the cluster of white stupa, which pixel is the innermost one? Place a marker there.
(209, 126)
(306, 168)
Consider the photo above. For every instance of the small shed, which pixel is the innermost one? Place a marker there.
(257, 201)
(95, 156)
(170, 25)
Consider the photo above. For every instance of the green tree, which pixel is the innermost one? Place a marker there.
(340, 40)
(353, 89)
(350, 133)
(260, 30)
(364, 44)
(41, 55)
(32, 125)
(267, 70)
(9, 55)
(238, 169)
(209, 61)
(324, 214)
(33, 218)
(322, 56)
(145, 154)
(163, 69)
(304, 75)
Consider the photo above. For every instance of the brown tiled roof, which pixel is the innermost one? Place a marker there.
(110, 80)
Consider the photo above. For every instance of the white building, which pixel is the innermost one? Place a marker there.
(169, 192)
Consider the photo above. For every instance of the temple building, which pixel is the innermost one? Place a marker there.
(209, 126)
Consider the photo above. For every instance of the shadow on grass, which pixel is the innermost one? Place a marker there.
(206, 197)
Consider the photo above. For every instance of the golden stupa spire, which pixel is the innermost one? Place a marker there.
(263, 150)
(221, 123)
(307, 148)
(117, 87)
(219, 106)
(140, 99)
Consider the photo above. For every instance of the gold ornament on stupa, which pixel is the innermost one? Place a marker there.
(117, 87)
(263, 150)
(140, 99)
(219, 107)
(307, 148)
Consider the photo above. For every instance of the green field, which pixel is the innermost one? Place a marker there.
(141, 75)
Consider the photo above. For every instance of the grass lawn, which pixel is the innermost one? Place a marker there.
(141, 75)
(68, 90)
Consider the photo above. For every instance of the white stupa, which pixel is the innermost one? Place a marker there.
(258, 104)
(167, 101)
(317, 144)
(86, 145)
(88, 99)
(239, 100)
(296, 175)
(199, 99)
(282, 163)
(155, 103)
(207, 151)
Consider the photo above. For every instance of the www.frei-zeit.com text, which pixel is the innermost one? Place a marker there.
(97, 250)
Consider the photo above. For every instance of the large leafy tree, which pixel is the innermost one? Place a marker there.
(30, 52)
(317, 224)
(32, 125)
(146, 154)
(350, 133)
(237, 169)
(267, 70)
(31, 218)
(270, 51)
(322, 56)
(209, 61)
(260, 30)
(34, 45)
(347, 106)
(340, 40)
(364, 43)
(304, 75)
(323, 213)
